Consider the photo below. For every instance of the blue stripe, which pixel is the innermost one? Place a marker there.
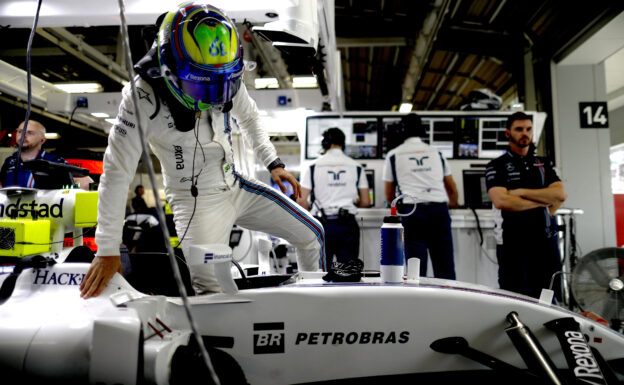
(228, 128)
(443, 163)
(312, 195)
(288, 206)
(228, 131)
(540, 166)
(394, 173)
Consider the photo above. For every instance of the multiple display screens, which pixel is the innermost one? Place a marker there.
(362, 137)
(372, 137)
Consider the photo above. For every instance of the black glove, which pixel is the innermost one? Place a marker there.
(345, 272)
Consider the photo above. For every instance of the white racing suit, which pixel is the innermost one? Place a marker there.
(224, 196)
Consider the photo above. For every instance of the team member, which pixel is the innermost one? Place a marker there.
(333, 182)
(31, 149)
(190, 90)
(526, 192)
(138, 203)
(421, 171)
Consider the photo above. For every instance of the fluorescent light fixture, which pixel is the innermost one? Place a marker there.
(405, 107)
(266, 83)
(21, 8)
(304, 82)
(100, 114)
(80, 88)
(52, 135)
(111, 120)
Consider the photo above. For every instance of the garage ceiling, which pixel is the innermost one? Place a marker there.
(477, 44)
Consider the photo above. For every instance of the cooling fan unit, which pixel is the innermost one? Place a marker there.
(598, 284)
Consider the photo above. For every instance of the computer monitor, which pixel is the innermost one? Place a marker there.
(467, 137)
(475, 189)
(362, 140)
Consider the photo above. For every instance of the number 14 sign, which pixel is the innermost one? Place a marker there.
(594, 114)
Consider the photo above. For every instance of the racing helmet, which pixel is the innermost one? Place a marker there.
(200, 56)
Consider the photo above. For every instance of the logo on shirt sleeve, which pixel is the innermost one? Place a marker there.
(179, 157)
(144, 95)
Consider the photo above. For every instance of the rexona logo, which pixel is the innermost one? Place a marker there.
(268, 338)
(586, 369)
(40, 210)
(179, 157)
(46, 277)
(350, 338)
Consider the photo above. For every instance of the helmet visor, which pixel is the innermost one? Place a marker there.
(213, 86)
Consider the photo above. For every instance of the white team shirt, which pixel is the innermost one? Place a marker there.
(418, 169)
(337, 179)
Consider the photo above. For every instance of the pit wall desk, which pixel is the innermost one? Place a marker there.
(474, 262)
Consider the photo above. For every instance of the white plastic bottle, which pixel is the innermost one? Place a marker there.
(392, 257)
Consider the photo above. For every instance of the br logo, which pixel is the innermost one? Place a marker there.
(268, 338)
(336, 174)
(420, 161)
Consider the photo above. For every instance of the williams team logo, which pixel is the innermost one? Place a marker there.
(420, 162)
(336, 175)
(268, 337)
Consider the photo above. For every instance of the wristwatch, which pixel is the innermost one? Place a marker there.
(275, 164)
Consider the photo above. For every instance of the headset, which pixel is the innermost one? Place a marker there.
(332, 136)
(326, 142)
(411, 125)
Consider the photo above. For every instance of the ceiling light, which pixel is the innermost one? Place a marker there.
(52, 135)
(111, 120)
(266, 83)
(305, 82)
(405, 107)
(80, 88)
(100, 114)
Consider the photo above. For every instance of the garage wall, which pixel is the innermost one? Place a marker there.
(583, 154)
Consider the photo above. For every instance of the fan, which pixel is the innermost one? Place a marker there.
(598, 284)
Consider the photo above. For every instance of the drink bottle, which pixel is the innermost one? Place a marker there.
(392, 258)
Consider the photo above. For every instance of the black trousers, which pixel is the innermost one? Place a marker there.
(342, 239)
(527, 265)
(429, 229)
